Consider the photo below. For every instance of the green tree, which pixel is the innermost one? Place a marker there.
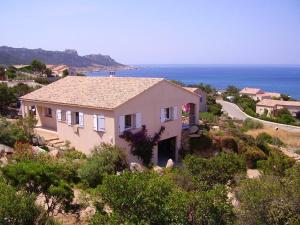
(16, 207)
(37, 66)
(6, 98)
(65, 72)
(105, 159)
(2, 72)
(11, 72)
(232, 90)
(43, 176)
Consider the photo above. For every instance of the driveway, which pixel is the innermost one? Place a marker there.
(235, 112)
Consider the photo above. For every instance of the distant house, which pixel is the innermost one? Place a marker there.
(202, 97)
(270, 106)
(57, 70)
(89, 111)
(258, 94)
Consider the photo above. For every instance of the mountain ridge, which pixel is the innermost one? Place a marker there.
(70, 57)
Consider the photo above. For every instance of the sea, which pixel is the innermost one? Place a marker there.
(274, 78)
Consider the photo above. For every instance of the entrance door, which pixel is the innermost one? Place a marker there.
(166, 151)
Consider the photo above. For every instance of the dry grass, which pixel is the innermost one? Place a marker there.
(291, 139)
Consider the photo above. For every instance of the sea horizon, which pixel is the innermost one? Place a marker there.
(283, 78)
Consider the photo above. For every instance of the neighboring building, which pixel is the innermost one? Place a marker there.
(258, 94)
(203, 97)
(251, 92)
(88, 111)
(270, 106)
(57, 70)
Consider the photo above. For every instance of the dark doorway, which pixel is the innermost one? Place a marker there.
(166, 151)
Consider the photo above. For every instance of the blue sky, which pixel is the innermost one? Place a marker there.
(159, 31)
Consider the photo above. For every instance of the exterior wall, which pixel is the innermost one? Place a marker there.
(292, 109)
(86, 138)
(261, 109)
(203, 100)
(149, 105)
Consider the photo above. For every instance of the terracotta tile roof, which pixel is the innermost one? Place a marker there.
(96, 92)
(251, 91)
(273, 103)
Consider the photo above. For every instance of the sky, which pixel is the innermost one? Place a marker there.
(159, 31)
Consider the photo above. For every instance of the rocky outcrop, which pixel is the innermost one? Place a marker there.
(10, 56)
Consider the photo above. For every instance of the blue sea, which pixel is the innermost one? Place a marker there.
(283, 79)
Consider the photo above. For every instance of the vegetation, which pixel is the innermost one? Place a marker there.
(142, 144)
(105, 159)
(250, 124)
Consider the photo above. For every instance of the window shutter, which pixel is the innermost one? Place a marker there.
(101, 123)
(121, 123)
(69, 117)
(81, 119)
(58, 114)
(162, 115)
(175, 113)
(138, 120)
(95, 123)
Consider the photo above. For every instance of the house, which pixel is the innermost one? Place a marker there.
(270, 106)
(202, 97)
(88, 111)
(251, 92)
(258, 94)
(57, 70)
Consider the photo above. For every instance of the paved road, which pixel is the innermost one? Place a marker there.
(234, 112)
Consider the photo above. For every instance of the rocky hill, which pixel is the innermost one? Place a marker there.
(9, 56)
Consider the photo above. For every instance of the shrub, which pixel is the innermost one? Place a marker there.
(250, 124)
(208, 117)
(277, 163)
(106, 159)
(11, 132)
(142, 144)
(16, 207)
(45, 176)
(269, 200)
(208, 170)
(266, 138)
(229, 143)
(147, 198)
(198, 144)
(253, 154)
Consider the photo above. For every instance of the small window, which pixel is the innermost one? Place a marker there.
(76, 117)
(201, 99)
(48, 112)
(128, 121)
(168, 113)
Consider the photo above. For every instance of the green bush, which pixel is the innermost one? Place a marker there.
(229, 143)
(46, 176)
(253, 154)
(16, 207)
(270, 200)
(106, 159)
(266, 138)
(198, 144)
(277, 163)
(208, 171)
(147, 198)
(250, 124)
(10, 133)
(208, 117)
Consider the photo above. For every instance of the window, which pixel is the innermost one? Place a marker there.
(167, 114)
(201, 99)
(48, 112)
(63, 115)
(76, 117)
(128, 121)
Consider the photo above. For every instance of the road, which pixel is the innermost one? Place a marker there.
(235, 112)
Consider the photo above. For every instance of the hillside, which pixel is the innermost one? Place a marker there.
(9, 55)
